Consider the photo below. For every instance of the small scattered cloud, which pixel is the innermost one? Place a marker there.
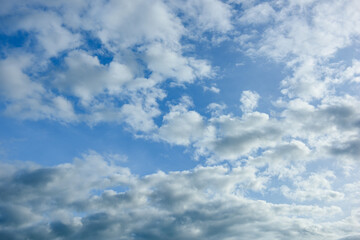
(213, 89)
(249, 101)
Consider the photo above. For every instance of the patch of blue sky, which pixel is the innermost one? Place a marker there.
(48, 144)
(16, 40)
(96, 47)
(237, 72)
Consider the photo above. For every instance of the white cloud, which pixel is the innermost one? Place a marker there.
(352, 191)
(137, 113)
(205, 15)
(138, 117)
(328, 127)
(316, 187)
(352, 73)
(14, 83)
(86, 78)
(171, 64)
(141, 37)
(293, 34)
(181, 126)
(146, 42)
(285, 160)
(249, 101)
(229, 138)
(27, 99)
(213, 89)
(258, 14)
(216, 109)
(304, 35)
(139, 22)
(52, 36)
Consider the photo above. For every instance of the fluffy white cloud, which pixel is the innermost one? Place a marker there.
(304, 35)
(205, 15)
(213, 89)
(317, 186)
(182, 126)
(285, 160)
(141, 39)
(352, 73)
(352, 191)
(86, 78)
(258, 14)
(27, 99)
(128, 23)
(167, 63)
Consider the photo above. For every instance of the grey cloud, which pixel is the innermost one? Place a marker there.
(13, 215)
(60, 229)
(36, 178)
(202, 203)
(357, 237)
(239, 145)
(330, 127)
(347, 148)
(229, 138)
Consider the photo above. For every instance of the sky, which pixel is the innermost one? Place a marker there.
(180, 119)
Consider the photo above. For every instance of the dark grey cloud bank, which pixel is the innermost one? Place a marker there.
(75, 201)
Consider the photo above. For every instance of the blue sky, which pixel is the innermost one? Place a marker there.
(178, 119)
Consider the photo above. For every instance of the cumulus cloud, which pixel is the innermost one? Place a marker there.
(171, 64)
(86, 78)
(329, 127)
(317, 186)
(52, 37)
(303, 35)
(285, 160)
(258, 14)
(205, 15)
(181, 126)
(352, 72)
(204, 203)
(67, 44)
(25, 98)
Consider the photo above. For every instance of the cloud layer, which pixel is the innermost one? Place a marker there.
(204, 203)
(283, 167)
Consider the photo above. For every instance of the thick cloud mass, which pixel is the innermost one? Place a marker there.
(204, 203)
(272, 162)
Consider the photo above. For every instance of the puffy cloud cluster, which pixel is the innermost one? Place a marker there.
(93, 198)
(317, 186)
(303, 35)
(26, 97)
(115, 61)
(96, 61)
